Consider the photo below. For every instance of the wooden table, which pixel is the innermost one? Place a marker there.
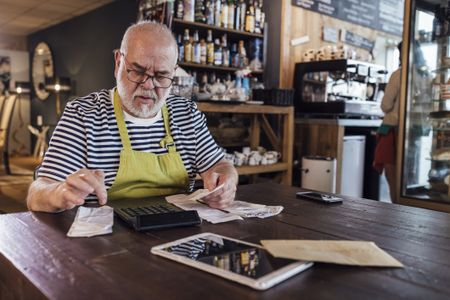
(38, 261)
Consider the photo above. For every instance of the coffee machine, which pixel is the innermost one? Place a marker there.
(339, 87)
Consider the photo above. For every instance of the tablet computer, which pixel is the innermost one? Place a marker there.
(239, 261)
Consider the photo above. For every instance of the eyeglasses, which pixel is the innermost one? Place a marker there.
(136, 76)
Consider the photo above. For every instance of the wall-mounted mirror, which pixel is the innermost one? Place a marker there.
(42, 69)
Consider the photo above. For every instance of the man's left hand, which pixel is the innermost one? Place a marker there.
(221, 173)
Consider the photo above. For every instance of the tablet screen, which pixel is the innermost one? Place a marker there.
(236, 257)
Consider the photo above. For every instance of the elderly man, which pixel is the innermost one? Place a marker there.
(133, 141)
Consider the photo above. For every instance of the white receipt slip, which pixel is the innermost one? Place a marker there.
(190, 202)
(236, 211)
(92, 221)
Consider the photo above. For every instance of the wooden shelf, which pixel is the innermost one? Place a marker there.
(248, 170)
(217, 28)
(282, 142)
(213, 67)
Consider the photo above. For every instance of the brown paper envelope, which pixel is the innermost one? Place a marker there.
(357, 253)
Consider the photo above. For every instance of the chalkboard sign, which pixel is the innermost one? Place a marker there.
(383, 15)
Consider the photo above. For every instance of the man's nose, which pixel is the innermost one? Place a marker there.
(148, 85)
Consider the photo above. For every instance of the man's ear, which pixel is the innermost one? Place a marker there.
(116, 62)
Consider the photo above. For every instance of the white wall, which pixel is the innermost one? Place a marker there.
(19, 142)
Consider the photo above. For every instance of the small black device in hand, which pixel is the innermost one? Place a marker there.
(319, 197)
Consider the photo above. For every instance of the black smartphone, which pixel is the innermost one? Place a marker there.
(319, 197)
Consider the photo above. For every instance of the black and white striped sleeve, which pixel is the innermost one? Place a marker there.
(208, 153)
(67, 149)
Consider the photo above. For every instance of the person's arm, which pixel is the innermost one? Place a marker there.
(224, 173)
(49, 195)
(391, 92)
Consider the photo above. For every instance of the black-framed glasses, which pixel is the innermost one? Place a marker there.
(139, 77)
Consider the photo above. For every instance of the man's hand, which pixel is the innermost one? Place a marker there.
(51, 196)
(221, 173)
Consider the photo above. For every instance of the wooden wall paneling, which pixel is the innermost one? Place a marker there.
(285, 36)
(299, 22)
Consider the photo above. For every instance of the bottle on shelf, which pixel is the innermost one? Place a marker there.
(243, 10)
(209, 12)
(243, 60)
(200, 11)
(257, 25)
(231, 10)
(237, 16)
(187, 46)
(217, 53)
(224, 14)
(196, 48)
(250, 19)
(203, 52)
(180, 9)
(209, 48)
(189, 10)
(225, 52)
(217, 12)
(180, 48)
(234, 55)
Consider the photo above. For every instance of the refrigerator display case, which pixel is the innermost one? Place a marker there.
(424, 131)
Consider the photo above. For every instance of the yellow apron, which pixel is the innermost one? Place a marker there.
(143, 174)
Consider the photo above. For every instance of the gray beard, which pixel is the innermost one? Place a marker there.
(143, 111)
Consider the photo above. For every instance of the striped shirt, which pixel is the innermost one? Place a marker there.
(87, 137)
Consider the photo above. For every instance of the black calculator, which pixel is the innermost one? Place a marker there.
(157, 216)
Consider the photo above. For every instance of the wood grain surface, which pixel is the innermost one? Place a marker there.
(38, 261)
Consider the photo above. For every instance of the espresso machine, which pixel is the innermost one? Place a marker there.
(343, 87)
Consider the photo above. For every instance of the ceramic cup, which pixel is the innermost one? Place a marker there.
(254, 158)
(309, 55)
(272, 157)
(239, 158)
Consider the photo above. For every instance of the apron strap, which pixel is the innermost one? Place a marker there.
(121, 122)
(167, 142)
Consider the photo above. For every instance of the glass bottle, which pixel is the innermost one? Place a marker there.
(217, 53)
(257, 17)
(243, 10)
(196, 49)
(243, 60)
(203, 52)
(187, 47)
(250, 19)
(237, 16)
(189, 10)
(217, 12)
(180, 48)
(234, 56)
(225, 52)
(199, 11)
(209, 12)
(224, 16)
(180, 9)
(231, 8)
(209, 48)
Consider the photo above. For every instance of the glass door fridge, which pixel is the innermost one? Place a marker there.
(424, 131)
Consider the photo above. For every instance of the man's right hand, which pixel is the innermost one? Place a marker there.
(52, 196)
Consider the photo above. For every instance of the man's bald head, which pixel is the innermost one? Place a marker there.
(150, 31)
